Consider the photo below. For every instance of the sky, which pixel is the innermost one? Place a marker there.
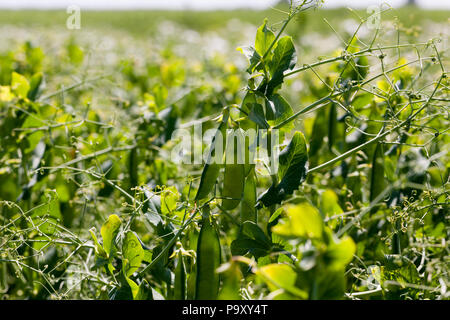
(197, 4)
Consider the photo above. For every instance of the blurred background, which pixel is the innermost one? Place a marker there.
(204, 4)
(118, 35)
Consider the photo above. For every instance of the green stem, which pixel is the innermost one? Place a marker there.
(169, 244)
(378, 137)
(332, 95)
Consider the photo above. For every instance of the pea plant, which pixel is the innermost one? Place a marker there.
(350, 201)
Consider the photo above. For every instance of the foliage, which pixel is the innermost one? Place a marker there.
(93, 207)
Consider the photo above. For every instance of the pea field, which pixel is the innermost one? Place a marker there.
(111, 190)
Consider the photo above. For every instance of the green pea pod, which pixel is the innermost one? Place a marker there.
(233, 185)
(248, 209)
(180, 279)
(132, 167)
(377, 176)
(208, 260)
(212, 169)
(332, 123)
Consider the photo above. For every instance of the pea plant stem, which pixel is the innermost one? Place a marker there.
(378, 137)
(333, 95)
(90, 156)
(169, 244)
(278, 35)
(342, 57)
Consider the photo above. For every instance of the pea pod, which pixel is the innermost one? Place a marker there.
(180, 279)
(212, 169)
(234, 179)
(132, 167)
(332, 123)
(377, 176)
(248, 210)
(233, 185)
(208, 260)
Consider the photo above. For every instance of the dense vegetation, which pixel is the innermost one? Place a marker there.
(93, 205)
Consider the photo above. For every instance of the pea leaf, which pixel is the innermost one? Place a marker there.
(264, 38)
(275, 215)
(19, 85)
(281, 110)
(36, 83)
(109, 231)
(303, 220)
(340, 253)
(293, 167)
(284, 58)
(329, 203)
(251, 239)
(281, 276)
(143, 291)
(133, 252)
(253, 57)
(169, 198)
(257, 116)
(98, 248)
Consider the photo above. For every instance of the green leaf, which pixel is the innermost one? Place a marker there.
(253, 231)
(169, 198)
(340, 253)
(276, 214)
(281, 111)
(143, 291)
(251, 239)
(75, 53)
(148, 256)
(232, 275)
(109, 231)
(264, 38)
(133, 252)
(35, 86)
(303, 220)
(284, 58)
(19, 85)
(253, 57)
(257, 116)
(329, 203)
(48, 213)
(281, 276)
(133, 255)
(98, 248)
(293, 167)
(133, 286)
